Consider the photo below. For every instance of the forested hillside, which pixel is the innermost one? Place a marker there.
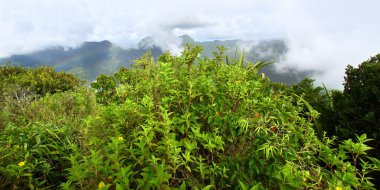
(186, 122)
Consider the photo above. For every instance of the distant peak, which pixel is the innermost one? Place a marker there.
(100, 42)
(187, 39)
(146, 43)
(104, 43)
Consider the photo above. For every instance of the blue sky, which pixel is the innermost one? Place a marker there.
(324, 35)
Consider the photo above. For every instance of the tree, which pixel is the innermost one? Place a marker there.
(358, 106)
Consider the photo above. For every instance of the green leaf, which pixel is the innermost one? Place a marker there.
(242, 185)
(208, 187)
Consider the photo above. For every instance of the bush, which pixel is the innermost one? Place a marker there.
(19, 87)
(40, 80)
(52, 126)
(182, 123)
(189, 122)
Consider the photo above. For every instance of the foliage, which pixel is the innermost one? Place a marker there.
(40, 80)
(354, 111)
(182, 123)
(50, 126)
(320, 99)
(360, 99)
(20, 86)
(105, 87)
(358, 106)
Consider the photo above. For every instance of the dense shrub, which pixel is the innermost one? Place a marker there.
(19, 87)
(188, 122)
(181, 123)
(40, 80)
(51, 126)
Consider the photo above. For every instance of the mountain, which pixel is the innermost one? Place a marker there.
(93, 58)
(87, 61)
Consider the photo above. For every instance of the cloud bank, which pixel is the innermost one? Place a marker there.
(326, 36)
(321, 35)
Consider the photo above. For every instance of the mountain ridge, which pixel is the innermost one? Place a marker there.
(91, 59)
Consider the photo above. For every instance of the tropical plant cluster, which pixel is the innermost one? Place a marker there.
(179, 122)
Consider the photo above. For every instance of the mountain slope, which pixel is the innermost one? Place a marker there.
(94, 58)
(88, 61)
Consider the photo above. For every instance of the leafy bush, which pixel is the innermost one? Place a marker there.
(19, 87)
(32, 151)
(40, 80)
(182, 123)
(32, 155)
(191, 122)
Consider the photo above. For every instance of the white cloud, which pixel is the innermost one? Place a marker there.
(28, 25)
(328, 35)
(322, 35)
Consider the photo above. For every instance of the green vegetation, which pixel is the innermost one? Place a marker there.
(354, 111)
(181, 122)
(19, 87)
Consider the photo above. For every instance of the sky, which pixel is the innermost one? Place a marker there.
(321, 35)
